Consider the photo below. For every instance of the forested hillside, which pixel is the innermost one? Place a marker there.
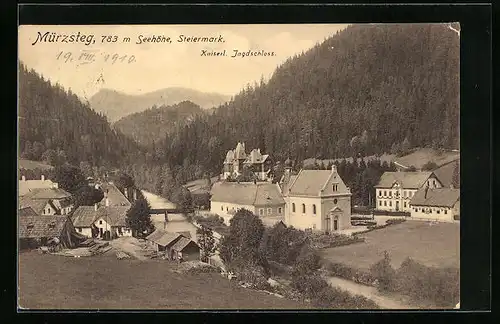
(116, 105)
(148, 126)
(56, 127)
(367, 90)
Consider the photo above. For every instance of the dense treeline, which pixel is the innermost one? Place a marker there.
(147, 126)
(366, 90)
(55, 126)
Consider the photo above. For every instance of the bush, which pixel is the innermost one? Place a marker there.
(307, 262)
(322, 241)
(254, 275)
(309, 284)
(383, 272)
(420, 282)
(344, 271)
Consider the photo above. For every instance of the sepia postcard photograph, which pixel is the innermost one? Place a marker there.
(230, 167)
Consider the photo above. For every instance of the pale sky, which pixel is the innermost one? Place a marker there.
(162, 65)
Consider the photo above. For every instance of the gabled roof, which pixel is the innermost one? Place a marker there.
(115, 196)
(445, 174)
(408, 180)
(37, 205)
(84, 216)
(315, 183)
(41, 226)
(163, 238)
(182, 243)
(286, 181)
(26, 211)
(442, 197)
(261, 193)
(50, 193)
(186, 234)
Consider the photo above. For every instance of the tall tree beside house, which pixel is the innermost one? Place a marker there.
(206, 242)
(429, 166)
(283, 244)
(183, 199)
(87, 196)
(139, 218)
(242, 244)
(69, 178)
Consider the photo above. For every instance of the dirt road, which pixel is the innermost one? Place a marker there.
(367, 291)
(129, 245)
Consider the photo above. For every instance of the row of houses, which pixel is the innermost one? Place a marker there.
(320, 200)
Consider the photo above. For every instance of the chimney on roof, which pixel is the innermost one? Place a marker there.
(334, 168)
(135, 194)
(95, 206)
(426, 190)
(107, 202)
(23, 178)
(43, 177)
(125, 192)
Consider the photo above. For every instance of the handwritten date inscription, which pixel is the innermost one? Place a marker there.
(90, 56)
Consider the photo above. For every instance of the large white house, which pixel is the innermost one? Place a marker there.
(439, 204)
(262, 198)
(317, 200)
(396, 189)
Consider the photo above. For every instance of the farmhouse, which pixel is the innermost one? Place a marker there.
(48, 201)
(396, 189)
(37, 231)
(27, 186)
(317, 200)
(439, 204)
(261, 198)
(448, 173)
(102, 221)
(236, 160)
(115, 197)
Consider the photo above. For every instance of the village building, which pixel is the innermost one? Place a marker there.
(106, 219)
(446, 174)
(437, 204)
(261, 198)
(237, 160)
(176, 246)
(27, 186)
(396, 189)
(47, 201)
(115, 197)
(316, 200)
(55, 230)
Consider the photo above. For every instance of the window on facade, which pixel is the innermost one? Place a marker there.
(379, 193)
(303, 208)
(380, 203)
(269, 211)
(314, 226)
(335, 201)
(227, 209)
(410, 193)
(261, 211)
(404, 204)
(390, 203)
(385, 193)
(390, 193)
(314, 209)
(222, 208)
(438, 211)
(414, 209)
(404, 193)
(445, 212)
(80, 229)
(279, 210)
(385, 203)
(100, 222)
(293, 207)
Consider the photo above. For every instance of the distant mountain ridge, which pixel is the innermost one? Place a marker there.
(151, 125)
(115, 104)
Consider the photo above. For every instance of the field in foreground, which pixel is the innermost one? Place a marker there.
(436, 245)
(58, 282)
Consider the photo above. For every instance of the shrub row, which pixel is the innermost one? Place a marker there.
(322, 241)
(361, 218)
(317, 290)
(391, 213)
(344, 271)
(387, 223)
